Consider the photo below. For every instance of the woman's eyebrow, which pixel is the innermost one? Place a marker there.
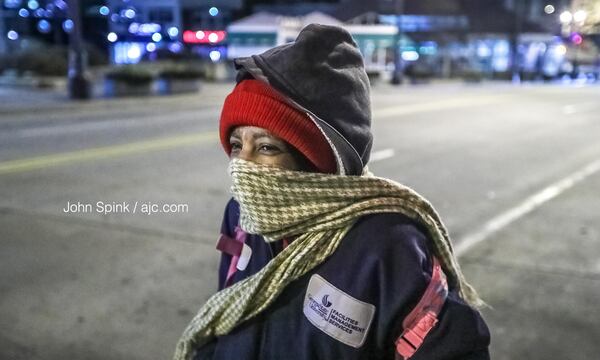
(262, 134)
(256, 135)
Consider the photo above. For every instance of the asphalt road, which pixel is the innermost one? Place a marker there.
(97, 285)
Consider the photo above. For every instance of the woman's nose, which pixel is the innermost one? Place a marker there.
(246, 153)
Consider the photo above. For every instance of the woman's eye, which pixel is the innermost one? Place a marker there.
(268, 148)
(235, 146)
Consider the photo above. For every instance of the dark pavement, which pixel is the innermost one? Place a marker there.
(514, 172)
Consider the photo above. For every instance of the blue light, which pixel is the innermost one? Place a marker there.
(12, 4)
(68, 25)
(44, 26)
(428, 48)
(134, 27)
(175, 47)
(410, 55)
(215, 55)
(61, 4)
(12, 35)
(156, 37)
(134, 53)
(39, 13)
(104, 10)
(23, 13)
(129, 13)
(32, 4)
(213, 11)
(112, 37)
(127, 52)
(173, 31)
(151, 47)
(144, 29)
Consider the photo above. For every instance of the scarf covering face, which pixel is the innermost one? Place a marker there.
(320, 209)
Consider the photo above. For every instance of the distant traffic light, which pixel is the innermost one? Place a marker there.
(576, 39)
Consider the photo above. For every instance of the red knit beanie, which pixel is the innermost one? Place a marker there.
(254, 103)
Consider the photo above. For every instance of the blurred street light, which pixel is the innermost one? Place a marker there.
(134, 52)
(566, 17)
(156, 37)
(61, 4)
(572, 22)
(173, 31)
(33, 5)
(112, 37)
(129, 13)
(410, 55)
(549, 9)
(215, 55)
(68, 25)
(44, 26)
(570, 19)
(12, 35)
(579, 16)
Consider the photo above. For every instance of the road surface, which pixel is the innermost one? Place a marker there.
(103, 282)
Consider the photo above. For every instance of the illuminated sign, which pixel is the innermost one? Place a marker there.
(204, 36)
(144, 29)
(11, 4)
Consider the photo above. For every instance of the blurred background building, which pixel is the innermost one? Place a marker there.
(157, 28)
(498, 39)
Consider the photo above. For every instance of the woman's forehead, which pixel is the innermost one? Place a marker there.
(254, 131)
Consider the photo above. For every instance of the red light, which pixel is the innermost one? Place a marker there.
(204, 36)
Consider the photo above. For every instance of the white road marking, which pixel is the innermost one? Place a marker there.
(501, 221)
(569, 109)
(381, 155)
(579, 108)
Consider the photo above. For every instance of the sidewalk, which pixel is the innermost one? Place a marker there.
(543, 282)
(22, 100)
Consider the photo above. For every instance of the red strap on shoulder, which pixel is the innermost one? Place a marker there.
(229, 245)
(232, 246)
(424, 316)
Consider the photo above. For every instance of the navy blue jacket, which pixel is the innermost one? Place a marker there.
(383, 262)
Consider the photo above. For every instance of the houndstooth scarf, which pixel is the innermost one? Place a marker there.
(320, 209)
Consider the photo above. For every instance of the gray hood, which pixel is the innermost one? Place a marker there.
(322, 73)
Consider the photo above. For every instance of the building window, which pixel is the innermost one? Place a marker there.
(160, 15)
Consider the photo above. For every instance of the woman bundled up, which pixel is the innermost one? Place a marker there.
(321, 259)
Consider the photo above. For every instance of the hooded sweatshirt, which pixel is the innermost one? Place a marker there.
(383, 265)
